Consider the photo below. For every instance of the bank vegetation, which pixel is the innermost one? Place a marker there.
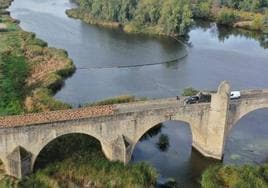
(161, 17)
(171, 17)
(246, 14)
(232, 176)
(30, 71)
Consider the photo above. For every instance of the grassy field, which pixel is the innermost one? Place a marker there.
(30, 72)
(236, 177)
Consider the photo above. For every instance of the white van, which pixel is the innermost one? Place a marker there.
(235, 95)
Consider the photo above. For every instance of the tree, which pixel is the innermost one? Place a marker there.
(176, 16)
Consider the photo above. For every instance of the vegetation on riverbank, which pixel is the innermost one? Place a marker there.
(30, 72)
(91, 171)
(190, 91)
(171, 17)
(161, 17)
(117, 100)
(250, 15)
(235, 176)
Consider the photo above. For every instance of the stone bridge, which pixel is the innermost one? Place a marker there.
(119, 127)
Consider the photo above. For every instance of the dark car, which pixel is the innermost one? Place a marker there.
(192, 100)
(204, 97)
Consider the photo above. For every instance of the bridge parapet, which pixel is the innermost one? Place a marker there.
(56, 116)
(254, 91)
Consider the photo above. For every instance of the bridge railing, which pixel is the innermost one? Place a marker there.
(254, 91)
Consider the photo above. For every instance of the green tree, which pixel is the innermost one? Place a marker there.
(176, 16)
(265, 21)
(202, 9)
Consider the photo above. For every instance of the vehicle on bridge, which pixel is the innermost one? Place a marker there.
(191, 100)
(201, 97)
(235, 95)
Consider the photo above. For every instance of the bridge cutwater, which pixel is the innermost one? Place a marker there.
(119, 127)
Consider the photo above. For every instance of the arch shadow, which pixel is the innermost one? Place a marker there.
(245, 115)
(65, 146)
(163, 140)
(249, 133)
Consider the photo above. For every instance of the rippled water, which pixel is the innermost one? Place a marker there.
(215, 54)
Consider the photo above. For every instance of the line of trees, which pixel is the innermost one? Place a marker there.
(169, 16)
(246, 5)
(172, 17)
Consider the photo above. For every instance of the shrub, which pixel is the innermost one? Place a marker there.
(226, 17)
(235, 176)
(117, 100)
(189, 91)
(202, 10)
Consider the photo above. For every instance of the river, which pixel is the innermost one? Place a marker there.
(214, 54)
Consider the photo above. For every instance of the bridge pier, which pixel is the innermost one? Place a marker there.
(216, 127)
(118, 150)
(19, 163)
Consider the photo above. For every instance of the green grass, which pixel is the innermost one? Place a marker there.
(236, 177)
(99, 172)
(20, 51)
(7, 182)
(14, 71)
(117, 100)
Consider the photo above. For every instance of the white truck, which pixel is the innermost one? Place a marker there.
(235, 95)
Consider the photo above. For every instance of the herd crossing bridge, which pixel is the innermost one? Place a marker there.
(119, 127)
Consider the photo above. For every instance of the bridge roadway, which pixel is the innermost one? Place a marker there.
(107, 110)
(119, 127)
(88, 112)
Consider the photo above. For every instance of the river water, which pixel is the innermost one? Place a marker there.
(214, 54)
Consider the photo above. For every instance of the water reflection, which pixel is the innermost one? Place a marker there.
(225, 33)
(163, 142)
(178, 161)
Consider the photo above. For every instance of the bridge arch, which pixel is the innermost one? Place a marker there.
(154, 125)
(251, 132)
(50, 140)
(243, 112)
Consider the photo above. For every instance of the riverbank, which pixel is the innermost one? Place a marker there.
(168, 18)
(236, 176)
(231, 17)
(207, 10)
(30, 71)
(131, 27)
(242, 19)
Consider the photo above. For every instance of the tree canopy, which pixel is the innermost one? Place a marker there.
(170, 16)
